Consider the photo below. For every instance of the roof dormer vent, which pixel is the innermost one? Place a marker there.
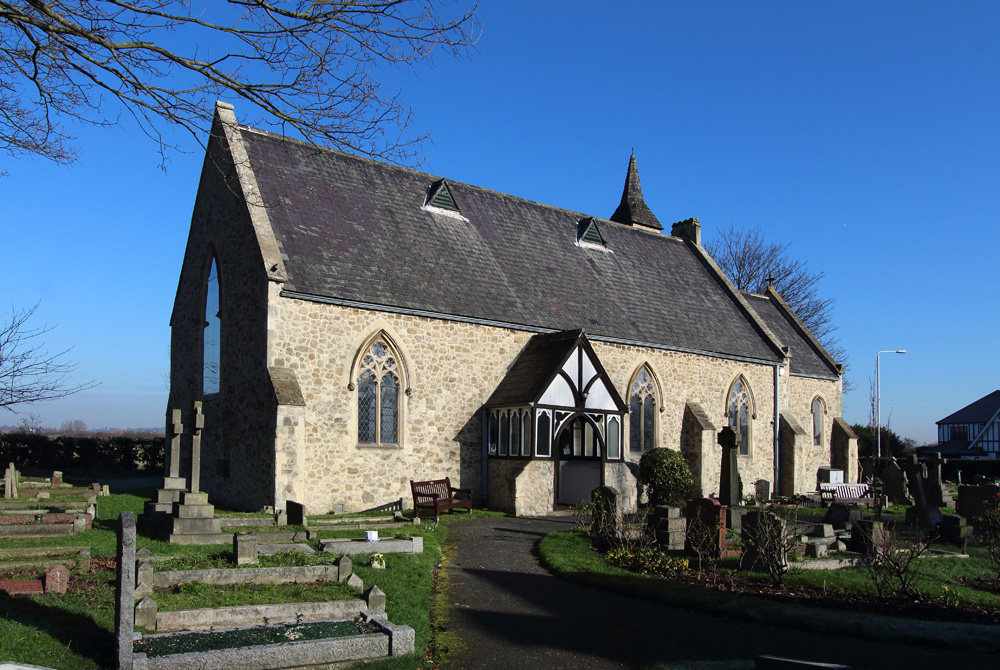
(439, 195)
(589, 235)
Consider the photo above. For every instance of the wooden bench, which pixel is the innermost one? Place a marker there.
(857, 494)
(438, 494)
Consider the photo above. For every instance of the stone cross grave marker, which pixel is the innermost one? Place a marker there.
(10, 477)
(730, 492)
(199, 423)
(176, 429)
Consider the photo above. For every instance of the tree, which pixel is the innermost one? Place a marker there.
(752, 264)
(29, 373)
(305, 66)
(892, 444)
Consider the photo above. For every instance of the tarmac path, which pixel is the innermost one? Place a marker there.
(512, 613)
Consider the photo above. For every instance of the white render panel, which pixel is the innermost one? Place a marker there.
(589, 371)
(570, 367)
(558, 393)
(599, 397)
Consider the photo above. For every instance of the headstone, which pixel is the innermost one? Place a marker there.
(973, 500)
(57, 479)
(760, 529)
(95, 488)
(281, 518)
(355, 583)
(142, 591)
(295, 513)
(375, 598)
(669, 527)
(706, 515)
(124, 601)
(106, 490)
(344, 568)
(762, 489)
(142, 553)
(143, 571)
(895, 484)
(145, 614)
(173, 459)
(730, 487)
(199, 424)
(43, 495)
(867, 536)
(10, 481)
(839, 545)
(245, 548)
(56, 579)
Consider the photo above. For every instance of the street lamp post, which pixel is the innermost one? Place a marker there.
(878, 397)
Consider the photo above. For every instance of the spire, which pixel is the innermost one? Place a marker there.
(633, 210)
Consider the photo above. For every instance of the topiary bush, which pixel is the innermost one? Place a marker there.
(665, 475)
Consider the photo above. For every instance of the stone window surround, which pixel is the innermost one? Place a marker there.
(822, 420)
(751, 412)
(657, 395)
(211, 261)
(403, 386)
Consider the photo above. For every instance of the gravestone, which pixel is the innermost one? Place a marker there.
(10, 480)
(56, 480)
(706, 515)
(344, 568)
(124, 600)
(923, 513)
(730, 484)
(145, 613)
(355, 583)
(375, 598)
(669, 527)
(973, 500)
(841, 515)
(56, 579)
(245, 548)
(866, 536)
(199, 424)
(763, 532)
(295, 513)
(762, 490)
(895, 484)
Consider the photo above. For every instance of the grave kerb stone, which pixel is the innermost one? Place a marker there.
(124, 591)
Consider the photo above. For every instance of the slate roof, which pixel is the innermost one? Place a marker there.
(353, 229)
(980, 411)
(804, 356)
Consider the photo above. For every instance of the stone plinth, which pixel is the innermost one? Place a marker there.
(193, 521)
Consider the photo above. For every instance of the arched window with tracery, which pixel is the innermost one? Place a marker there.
(378, 396)
(212, 333)
(817, 415)
(642, 412)
(739, 412)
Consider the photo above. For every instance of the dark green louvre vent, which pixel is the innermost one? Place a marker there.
(586, 231)
(439, 195)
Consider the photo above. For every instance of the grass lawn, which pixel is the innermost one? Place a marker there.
(947, 580)
(76, 630)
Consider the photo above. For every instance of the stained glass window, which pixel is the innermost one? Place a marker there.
(378, 396)
(739, 414)
(642, 413)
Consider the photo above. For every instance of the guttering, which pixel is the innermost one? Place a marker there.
(514, 326)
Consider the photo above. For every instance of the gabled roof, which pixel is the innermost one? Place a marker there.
(981, 411)
(355, 231)
(538, 364)
(807, 357)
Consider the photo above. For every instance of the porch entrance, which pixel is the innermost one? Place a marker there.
(580, 470)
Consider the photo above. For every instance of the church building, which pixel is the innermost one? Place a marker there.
(350, 325)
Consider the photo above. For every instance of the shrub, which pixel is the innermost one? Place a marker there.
(988, 530)
(665, 475)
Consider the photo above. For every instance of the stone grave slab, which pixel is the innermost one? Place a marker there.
(271, 549)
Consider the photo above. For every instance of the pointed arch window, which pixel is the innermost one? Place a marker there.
(378, 396)
(212, 334)
(740, 412)
(817, 416)
(642, 412)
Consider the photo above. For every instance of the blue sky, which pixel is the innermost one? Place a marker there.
(863, 134)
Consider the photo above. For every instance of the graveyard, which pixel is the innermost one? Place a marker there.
(95, 576)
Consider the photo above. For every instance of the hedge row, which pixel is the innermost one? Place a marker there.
(125, 454)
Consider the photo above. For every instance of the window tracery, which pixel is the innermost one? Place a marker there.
(642, 412)
(378, 396)
(739, 413)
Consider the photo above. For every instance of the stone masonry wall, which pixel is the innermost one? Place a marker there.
(238, 438)
(797, 401)
(450, 370)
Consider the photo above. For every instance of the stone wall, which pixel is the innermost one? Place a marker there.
(797, 402)
(238, 439)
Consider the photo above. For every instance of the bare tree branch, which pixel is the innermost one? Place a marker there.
(29, 373)
(308, 67)
(752, 263)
